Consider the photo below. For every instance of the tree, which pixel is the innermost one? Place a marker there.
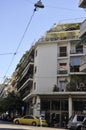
(71, 86)
(11, 103)
(76, 83)
(55, 88)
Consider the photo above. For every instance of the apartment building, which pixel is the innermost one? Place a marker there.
(48, 78)
(82, 4)
(6, 87)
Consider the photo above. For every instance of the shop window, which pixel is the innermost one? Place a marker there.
(64, 105)
(55, 105)
(79, 105)
(45, 105)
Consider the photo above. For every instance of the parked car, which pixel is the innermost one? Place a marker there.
(30, 120)
(43, 122)
(83, 127)
(75, 122)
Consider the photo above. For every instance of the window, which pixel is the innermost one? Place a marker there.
(35, 69)
(34, 85)
(45, 105)
(80, 118)
(75, 61)
(62, 85)
(28, 117)
(64, 105)
(63, 51)
(55, 105)
(79, 49)
(36, 53)
(74, 64)
(62, 68)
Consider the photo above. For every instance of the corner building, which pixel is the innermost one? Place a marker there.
(50, 81)
(82, 4)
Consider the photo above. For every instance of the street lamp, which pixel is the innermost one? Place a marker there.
(38, 5)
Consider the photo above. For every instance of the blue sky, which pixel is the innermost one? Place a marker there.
(14, 16)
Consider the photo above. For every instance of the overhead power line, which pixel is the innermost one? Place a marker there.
(30, 1)
(8, 53)
(61, 8)
(14, 54)
(54, 7)
(24, 32)
(36, 5)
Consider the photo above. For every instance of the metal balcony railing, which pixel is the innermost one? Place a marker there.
(74, 68)
(83, 64)
(83, 26)
(25, 83)
(62, 71)
(62, 54)
(26, 70)
(83, 60)
(76, 52)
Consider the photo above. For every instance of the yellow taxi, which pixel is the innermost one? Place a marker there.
(30, 120)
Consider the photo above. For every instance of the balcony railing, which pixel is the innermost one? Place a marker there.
(25, 93)
(83, 60)
(60, 36)
(62, 54)
(74, 68)
(62, 71)
(25, 83)
(26, 70)
(76, 52)
(83, 28)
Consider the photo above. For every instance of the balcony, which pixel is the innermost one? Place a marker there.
(82, 3)
(76, 52)
(83, 64)
(64, 35)
(74, 68)
(83, 28)
(62, 72)
(28, 81)
(26, 92)
(26, 70)
(62, 54)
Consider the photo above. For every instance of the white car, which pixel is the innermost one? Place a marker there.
(75, 122)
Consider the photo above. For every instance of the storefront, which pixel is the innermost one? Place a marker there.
(58, 107)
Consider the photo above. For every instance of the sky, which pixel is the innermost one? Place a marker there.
(16, 37)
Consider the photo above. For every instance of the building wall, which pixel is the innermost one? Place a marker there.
(46, 64)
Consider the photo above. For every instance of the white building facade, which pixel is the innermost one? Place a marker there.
(50, 68)
(82, 4)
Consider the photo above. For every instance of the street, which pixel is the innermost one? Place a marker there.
(11, 126)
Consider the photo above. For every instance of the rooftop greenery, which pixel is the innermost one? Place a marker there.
(62, 32)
